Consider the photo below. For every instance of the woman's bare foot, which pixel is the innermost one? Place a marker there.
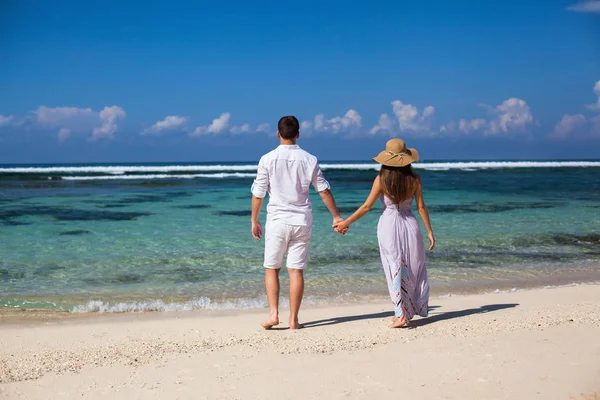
(294, 324)
(399, 323)
(271, 322)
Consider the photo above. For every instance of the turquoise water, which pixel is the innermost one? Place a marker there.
(160, 236)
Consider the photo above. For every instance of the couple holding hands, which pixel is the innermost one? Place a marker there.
(287, 172)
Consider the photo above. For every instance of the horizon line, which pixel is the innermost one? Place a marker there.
(365, 161)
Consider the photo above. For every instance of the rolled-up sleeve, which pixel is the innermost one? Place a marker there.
(319, 181)
(261, 182)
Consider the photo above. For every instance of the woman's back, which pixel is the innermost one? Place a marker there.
(389, 203)
(401, 245)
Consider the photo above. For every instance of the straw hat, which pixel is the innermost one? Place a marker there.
(396, 154)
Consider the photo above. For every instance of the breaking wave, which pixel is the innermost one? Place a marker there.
(160, 176)
(96, 172)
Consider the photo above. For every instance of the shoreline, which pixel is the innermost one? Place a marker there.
(522, 344)
(571, 278)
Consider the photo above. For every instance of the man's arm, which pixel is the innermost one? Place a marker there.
(256, 226)
(259, 191)
(322, 187)
(329, 202)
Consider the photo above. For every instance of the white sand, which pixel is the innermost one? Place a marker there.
(535, 344)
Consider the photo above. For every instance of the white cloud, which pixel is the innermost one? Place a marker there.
(568, 125)
(473, 125)
(78, 118)
(306, 127)
(512, 115)
(464, 126)
(589, 6)
(63, 134)
(266, 128)
(351, 119)
(385, 124)
(218, 125)
(222, 124)
(109, 116)
(69, 120)
(408, 119)
(237, 129)
(576, 127)
(320, 123)
(170, 123)
(350, 122)
(448, 128)
(5, 120)
(596, 106)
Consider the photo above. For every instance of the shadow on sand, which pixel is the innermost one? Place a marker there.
(433, 317)
(457, 314)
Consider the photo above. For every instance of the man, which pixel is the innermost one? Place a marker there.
(286, 173)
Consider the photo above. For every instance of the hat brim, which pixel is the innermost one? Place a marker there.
(387, 159)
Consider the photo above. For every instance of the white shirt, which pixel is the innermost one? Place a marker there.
(286, 173)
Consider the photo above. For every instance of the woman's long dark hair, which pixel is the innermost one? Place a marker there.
(398, 183)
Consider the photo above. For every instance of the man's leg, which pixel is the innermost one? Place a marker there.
(296, 293)
(272, 288)
(275, 248)
(296, 263)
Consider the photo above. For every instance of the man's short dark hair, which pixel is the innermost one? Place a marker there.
(288, 127)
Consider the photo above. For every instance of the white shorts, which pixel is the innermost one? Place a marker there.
(291, 239)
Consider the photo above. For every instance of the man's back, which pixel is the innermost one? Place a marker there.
(286, 173)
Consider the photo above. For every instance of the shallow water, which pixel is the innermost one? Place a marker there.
(133, 237)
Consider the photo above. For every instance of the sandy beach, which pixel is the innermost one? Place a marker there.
(542, 343)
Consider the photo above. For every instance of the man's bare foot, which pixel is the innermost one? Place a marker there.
(394, 319)
(399, 323)
(271, 322)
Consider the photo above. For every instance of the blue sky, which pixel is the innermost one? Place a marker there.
(196, 81)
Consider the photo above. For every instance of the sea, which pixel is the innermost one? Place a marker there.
(104, 238)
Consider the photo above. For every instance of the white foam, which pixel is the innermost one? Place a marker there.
(160, 176)
(357, 166)
(506, 290)
(200, 303)
(121, 169)
(475, 165)
(438, 166)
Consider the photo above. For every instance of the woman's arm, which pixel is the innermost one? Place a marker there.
(362, 210)
(422, 208)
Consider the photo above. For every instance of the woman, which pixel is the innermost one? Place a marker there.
(400, 242)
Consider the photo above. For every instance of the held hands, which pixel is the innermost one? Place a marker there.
(340, 226)
(256, 230)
